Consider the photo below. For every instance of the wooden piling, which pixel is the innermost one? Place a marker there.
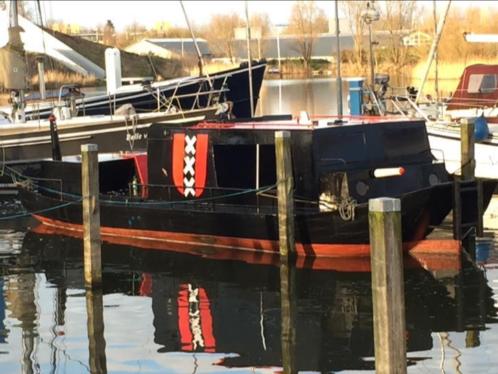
(285, 186)
(387, 285)
(467, 145)
(480, 210)
(95, 329)
(91, 215)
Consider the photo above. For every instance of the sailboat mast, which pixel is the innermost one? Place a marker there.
(433, 50)
(14, 65)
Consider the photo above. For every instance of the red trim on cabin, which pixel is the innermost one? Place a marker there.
(201, 155)
(178, 163)
(141, 166)
(294, 125)
(433, 254)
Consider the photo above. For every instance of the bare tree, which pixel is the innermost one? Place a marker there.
(306, 22)
(260, 28)
(353, 10)
(220, 33)
(398, 19)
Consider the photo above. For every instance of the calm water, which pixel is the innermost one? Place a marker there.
(316, 96)
(163, 312)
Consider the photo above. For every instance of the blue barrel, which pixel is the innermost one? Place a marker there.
(356, 96)
(483, 249)
(481, 129)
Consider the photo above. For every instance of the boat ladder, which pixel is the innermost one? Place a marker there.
(468, 208)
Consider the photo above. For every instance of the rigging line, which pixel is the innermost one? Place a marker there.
(159, 202)
(199, 55)
(27, 214)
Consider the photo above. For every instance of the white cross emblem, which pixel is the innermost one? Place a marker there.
(190, 144)
(189, 163)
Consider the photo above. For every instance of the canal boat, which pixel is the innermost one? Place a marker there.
(213, 185)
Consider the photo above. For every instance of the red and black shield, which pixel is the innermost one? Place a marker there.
(190, 163)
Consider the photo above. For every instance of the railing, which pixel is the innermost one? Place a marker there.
(167, 103)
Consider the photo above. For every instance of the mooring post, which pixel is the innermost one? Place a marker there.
(91, 215)
(384, 219)
(467, 145)
(285, 186)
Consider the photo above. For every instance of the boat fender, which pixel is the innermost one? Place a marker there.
(481, 129)
(389, 172)
(304, 118)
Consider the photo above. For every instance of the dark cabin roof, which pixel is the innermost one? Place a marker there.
(175, 45)
(478, 87)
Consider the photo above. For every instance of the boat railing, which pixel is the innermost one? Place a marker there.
(440, 151)
(167, 103)
(400, 102)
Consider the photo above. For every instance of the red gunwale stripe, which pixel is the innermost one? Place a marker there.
(257, 246)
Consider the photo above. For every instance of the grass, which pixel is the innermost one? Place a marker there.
(58, 78)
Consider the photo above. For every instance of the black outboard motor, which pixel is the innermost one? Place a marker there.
(381, 85)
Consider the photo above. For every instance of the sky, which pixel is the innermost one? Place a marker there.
(122, 13)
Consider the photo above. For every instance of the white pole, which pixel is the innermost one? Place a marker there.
(338, 58)
(434, 46)
(278, 52)
(199, 55)
(249, 62)
(249, 66)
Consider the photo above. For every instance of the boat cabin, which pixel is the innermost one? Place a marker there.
(478, 88)
(331, 160)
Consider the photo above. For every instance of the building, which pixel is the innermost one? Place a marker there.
(170, 47)
(416, 39)
(287, 47)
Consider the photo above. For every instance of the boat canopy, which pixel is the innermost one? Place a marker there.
(478, 88)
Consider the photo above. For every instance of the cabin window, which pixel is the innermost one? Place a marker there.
(482, 83)
(236, 165)
(405, 141)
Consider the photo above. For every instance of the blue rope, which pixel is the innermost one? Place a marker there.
(16, 216)
(160, 203)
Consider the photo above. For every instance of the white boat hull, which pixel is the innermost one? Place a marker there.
(445, 145)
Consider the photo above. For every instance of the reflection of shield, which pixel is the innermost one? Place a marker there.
(190, 163)
(195, 322)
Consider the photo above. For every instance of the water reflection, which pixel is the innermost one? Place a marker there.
(95, 329)
(184, 313)
(316, 96)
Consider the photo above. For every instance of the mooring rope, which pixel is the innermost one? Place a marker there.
(27, 214)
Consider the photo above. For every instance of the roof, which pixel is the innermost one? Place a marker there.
(177, 45)
(323, 45)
